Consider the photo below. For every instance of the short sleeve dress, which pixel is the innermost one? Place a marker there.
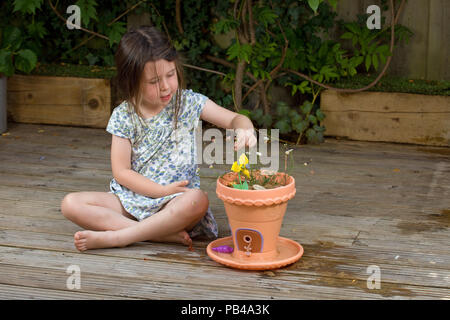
(162, 154)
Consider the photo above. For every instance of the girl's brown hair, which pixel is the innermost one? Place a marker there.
(136, 48)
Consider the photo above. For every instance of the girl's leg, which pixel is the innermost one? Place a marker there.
(179, 215)
(96, 211)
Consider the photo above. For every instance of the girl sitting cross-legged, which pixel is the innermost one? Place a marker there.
(155, 191)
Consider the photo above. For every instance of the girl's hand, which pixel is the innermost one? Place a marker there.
(176, 187)
(245, 137)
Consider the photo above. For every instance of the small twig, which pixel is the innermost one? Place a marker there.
(250, 23)
(229, 65)
(178, 16)
(204, 69)
(164, 24)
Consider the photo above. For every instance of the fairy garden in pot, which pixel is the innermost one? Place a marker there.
(255, 203)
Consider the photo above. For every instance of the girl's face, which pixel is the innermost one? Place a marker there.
(159, 84)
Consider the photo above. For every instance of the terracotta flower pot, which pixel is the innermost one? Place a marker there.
(255, 218)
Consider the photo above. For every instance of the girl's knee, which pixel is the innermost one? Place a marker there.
(68, 204)
(198, 201)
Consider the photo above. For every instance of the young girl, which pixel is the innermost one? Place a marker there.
(155, 193)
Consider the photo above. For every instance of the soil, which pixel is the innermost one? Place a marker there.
(276, 180)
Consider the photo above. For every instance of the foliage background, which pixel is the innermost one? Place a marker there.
(278, 37)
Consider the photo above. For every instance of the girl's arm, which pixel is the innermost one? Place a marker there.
(122, 172)
(227, 119)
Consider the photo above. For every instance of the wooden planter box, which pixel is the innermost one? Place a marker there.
(59, 100)
(390, 117)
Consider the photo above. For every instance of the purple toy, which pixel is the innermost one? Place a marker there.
(223, 249)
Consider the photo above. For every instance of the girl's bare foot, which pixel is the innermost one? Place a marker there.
(85, 240)
(179, 237)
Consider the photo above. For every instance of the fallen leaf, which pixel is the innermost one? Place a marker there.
(270, 273)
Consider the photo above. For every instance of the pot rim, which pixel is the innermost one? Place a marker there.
(292, 181)
(256, 197)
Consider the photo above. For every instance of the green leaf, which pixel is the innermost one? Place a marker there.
(294, 116)
(333, 3)
(88, 11)
(304, 84)
(301, 126)
(6, 64)
(283, 125)
(312, 119)
(368, 62)
(245, 52)
(27, 6)
(266, 16)
(318, 128)
(314, 137)
(382, 49)
(306, 107)
(37, 30)
(356, 61)
(245, 112)
(310, 134)
(242, 52)
(116, 32)
(243, 186)
(375, 61)
(320, 115)
(353, 27)
(12, 38)
(257, 115)
(382, 58)
(347, 36)
(225, 25)
(372, 48)
(314, 4)
(26, 60)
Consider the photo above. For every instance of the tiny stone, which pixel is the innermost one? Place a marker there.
(258, 187)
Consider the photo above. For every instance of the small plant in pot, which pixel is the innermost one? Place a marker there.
(255, 202)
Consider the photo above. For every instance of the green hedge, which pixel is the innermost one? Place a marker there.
(397, 84)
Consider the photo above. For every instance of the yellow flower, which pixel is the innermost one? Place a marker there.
(246, 172)
(236, 167)
(243, 160)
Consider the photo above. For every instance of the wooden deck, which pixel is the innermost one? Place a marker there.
(357, 205)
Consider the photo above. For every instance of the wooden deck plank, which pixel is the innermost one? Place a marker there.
(193, 279)
(419, 266)
(357, 204)
(14, 292)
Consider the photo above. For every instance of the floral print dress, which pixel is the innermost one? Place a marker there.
(162, 154)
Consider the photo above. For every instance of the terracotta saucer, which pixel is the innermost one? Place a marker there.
(288, 251)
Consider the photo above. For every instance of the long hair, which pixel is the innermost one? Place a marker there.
(136, 48)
